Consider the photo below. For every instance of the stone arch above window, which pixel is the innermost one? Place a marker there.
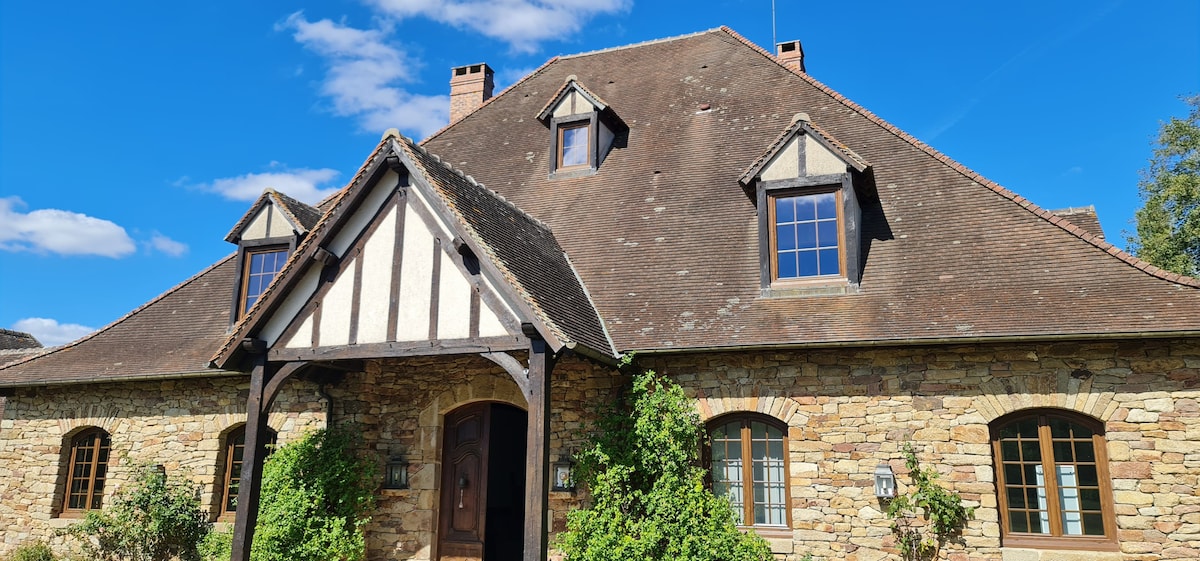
(1002, 396)
(723, 401)
(1052, 480)
(86, 462)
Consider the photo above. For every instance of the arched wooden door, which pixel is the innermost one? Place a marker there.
(481, 514)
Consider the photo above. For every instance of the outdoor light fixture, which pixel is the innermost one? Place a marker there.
(564, 480)
(395, 475)
(885, 482)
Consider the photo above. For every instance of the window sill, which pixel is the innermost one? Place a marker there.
(827, 286)
(1033, 542)
(567, 173)
(1032, 554)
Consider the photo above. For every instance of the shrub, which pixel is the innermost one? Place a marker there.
(217, 545)
(317, 494)
(648, 497)
(36, 551)
(153, 520)
(942, 510)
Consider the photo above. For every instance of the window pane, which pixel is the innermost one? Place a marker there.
(785, 210)
(262, 267)
(1059, 428)
(806, 209)
(1062, 452)
(829, 262)
(1093, 524)
(826, 204)
(1016, 497)
(1088, 476)
(574, 148)
(1010, 451)
(1012, 474)
(807, 264)
(1028, 428)
(785, 236)
(806, 235)
(827, 233)
(1084, 451)
(1030, 451)
(787, 265)
(1019, 520)
(1089, 499)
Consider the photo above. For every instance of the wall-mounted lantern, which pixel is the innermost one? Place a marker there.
(395, 475)
(564, 478)
(885, 482)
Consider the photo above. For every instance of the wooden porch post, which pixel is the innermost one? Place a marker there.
(537, 467)
(253, 455)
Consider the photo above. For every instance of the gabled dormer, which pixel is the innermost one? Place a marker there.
(583, 129)
(266, 235)
(807, 188)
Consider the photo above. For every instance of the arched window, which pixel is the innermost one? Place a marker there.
(87, 467)
(748, 457)
(235, 447)
(1052, 477)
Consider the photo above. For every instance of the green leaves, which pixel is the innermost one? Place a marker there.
(153, 520)
(317, 494)
(1168, 224)
(648, 498)
(942, 510)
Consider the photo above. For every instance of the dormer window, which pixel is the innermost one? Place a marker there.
(809, 215)
(573, 143)
(258, 270)
(265, 236)
(583, 130)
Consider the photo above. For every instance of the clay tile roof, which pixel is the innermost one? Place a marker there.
(170, 336)
(665, 238)
(1083, 217)
(10, 340)
(522, 247)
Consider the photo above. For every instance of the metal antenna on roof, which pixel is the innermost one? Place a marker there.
(774, 41)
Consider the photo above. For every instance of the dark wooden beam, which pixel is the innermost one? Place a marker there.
(513, 367)
(400, 349)
(252, 463)
(537, 467)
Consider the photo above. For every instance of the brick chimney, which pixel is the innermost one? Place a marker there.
(470, 86)
(791, 54)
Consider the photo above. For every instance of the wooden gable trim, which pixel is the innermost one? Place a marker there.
(523, 309)
(398, 349)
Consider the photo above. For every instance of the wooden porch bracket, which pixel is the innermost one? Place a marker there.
(265, 381)
(514, 368)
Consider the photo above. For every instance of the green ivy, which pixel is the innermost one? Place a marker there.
(154, 519)
(317, 494)
(943, 513)
(648, 495)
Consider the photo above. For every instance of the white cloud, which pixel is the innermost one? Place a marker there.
(51, 333)
(308, 185)
(363, 77)
(161, 243)
(60, 231)
(523, 24)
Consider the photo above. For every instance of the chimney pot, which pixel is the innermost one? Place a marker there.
(790, 54)
(470, 86)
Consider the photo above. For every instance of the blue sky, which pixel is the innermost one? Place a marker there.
(133, 135)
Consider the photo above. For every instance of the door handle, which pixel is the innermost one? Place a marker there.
(462, 485)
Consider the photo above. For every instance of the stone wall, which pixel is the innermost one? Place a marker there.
(849, 409)
(176, 423)
(846, 409)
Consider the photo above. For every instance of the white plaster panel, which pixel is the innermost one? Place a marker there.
(375, 297)
(443, 228)
(416, 279)
(819, 160)
(257, 228)
(292, 303)
(507, 310)
(335, 308)
(303, 337)
(489, 324)
(785, 164)
(454, 302)
(362, 218)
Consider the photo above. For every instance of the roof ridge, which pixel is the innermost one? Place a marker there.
(1028, 205)
(51, 350)
(642, 43)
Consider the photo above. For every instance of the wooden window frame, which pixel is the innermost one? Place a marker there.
(772, 244)
(99, 441)
(248, 253)
(559, 150)
(745, 418)
(228, 449)
(1055, 539)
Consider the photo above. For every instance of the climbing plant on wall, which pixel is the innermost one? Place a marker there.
(928, 515)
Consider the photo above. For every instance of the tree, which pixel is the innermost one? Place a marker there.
(317, 494)
(153, 519)
(1168, 225)
(648, 498)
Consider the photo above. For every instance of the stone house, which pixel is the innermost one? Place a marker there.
(825, 286)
